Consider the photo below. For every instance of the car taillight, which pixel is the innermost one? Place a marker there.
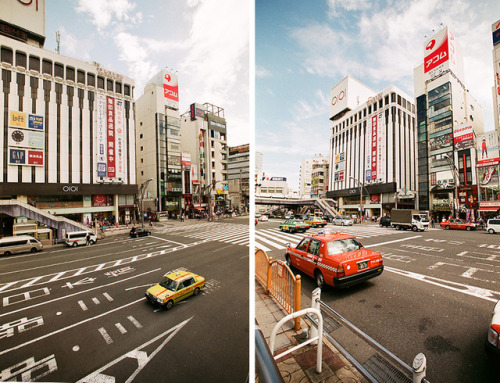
(340, 271)
(493, 335)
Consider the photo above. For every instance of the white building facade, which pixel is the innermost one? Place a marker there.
(372, 149)
(305, 178)
(67, 134)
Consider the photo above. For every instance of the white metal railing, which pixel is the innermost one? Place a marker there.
(319, 338)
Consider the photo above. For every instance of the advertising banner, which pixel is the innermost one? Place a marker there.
(25, 120)
(487, 149)
(35, 157)
(110, 132)
(101, 141)
(171, 88)
(440, 144)
(488, 176)
(368, 175)
(196, 110)
(439, 53)
(120, 139)
(186, 161)
(194, 174)
(495, 28)
(17, 156)
(373, 151)
(381, 144)
(26, 157)
(463, 136)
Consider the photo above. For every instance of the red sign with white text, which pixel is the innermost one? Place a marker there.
(374, 148)
(35, 157)
(171, 87)
(110, 128)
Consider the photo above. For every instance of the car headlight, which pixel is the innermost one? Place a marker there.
(159, 300)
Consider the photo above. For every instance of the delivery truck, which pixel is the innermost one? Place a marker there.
(404, 219)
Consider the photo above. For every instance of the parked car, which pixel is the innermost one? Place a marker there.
(19, 244)
(139, 232)
(174, 287)
(492, 343)
(457, 223)
(293, 225)
(334, 259)
(342, 221)
(385, 221)
(493, 226)
(315, 222)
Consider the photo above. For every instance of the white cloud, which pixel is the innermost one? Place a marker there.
(103, 13)
(337, 6)
(261, 72)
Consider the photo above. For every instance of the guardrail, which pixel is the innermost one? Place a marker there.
(279, 281)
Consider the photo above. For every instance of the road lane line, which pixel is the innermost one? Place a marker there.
(397, 240)
(168, 240)
(96, 301)
(78, 293)
(105, 335)
(17, 347)
(469, 273)
(120, 328)
(477, 292)
(83, 305)
(134, 321)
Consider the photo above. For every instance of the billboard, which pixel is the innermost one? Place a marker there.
(495, 29)
(463, 136)
(26, 14)
(373, 148)
(26, 138)
(171, 89)
(439, 54)
(27, 157)
(120, 140)
(487, 149)
(347, 95)
(110, 133)
(196, 110)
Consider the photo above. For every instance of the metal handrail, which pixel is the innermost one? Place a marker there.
(265, 364)
(319, 338)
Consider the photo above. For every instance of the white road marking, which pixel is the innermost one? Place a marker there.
(489, 295)
(397, 240)
(262, 239)
(105, 335)
(80, 292)
(139, 287)
(108, 297)
(120, 328)
(134, 321)
(95, 300)
(462, 253)
(469, 273)
(83, 305)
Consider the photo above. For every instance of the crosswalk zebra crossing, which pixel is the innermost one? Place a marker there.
(270, 239)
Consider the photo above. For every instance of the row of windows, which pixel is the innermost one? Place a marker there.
(376, 105)
(58, 70)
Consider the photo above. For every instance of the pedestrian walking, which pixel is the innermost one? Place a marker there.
(87, 239)
(432, 221)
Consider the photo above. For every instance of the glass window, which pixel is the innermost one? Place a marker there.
(100, 82)
(7, 55)
(109, 85)
(21, 59)
(303, 244)
(127, 90)
(90, 79)
(58, 70)
(35, 63)
(118, 87)
(343, 246)
(70, 73)
(81, 77)
(47, 67)
(314, 247)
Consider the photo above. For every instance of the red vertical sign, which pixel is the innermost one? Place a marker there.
(374, 147)
(111, 136)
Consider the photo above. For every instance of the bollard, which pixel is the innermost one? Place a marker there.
(419, 367)
(316, 297)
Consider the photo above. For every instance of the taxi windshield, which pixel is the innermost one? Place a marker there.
(343, 246)
(169, 284)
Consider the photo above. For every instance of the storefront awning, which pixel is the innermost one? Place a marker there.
(488, 208)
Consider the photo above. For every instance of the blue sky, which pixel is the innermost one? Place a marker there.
(304, 48)
(205, 41)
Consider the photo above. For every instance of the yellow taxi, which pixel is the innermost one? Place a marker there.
(174, 287)
(316, 222)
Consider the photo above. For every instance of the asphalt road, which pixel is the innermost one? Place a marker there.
(435, 296)
(79, 314)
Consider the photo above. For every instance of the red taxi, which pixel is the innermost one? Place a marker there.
(334, 259)
(457, 223)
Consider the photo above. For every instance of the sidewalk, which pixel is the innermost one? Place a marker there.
(300, 365)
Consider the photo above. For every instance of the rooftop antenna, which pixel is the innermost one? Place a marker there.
(58, 40)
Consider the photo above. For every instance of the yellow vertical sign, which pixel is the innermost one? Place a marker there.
(18, 119)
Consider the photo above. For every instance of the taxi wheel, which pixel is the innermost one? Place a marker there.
(169, 304)
(467, 228)
(196, 291)
(447, 227)
(320, 281)
(91, 242)
(74, 244)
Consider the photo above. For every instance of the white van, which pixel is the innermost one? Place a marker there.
(493, 226)
(75, 238)
(19, 244)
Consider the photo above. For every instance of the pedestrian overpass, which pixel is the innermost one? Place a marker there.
(326, 205)
(16, 208)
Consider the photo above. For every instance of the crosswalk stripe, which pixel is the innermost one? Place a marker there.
(276, 245)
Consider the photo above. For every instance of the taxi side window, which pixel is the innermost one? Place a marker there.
(180, 286)
(189, 282)
(303, 244)
(314, 247)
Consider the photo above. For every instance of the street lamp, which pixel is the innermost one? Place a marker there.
(361, 187)
(142, 189)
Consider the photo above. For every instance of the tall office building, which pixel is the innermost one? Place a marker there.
(449, 119)
(238, 173)
(159, 156)
(372, 149)
(305, 178)
(67, 132)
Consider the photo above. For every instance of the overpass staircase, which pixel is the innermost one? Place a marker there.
(16, 208)
(326, 205)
